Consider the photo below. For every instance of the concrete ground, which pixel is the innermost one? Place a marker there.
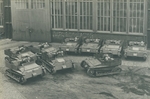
(132, 83)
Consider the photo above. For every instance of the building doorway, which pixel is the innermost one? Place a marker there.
(7, 19)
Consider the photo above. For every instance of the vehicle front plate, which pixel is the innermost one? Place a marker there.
(88, 50)
(134, 54)
(64, 66)
(67, 49)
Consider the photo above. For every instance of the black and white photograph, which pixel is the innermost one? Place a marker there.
(74, 49)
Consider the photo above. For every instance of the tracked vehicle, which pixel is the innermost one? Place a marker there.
(114, 47)
(51, 58)
(58, 62)
(71, 45)
(136, 49)
(44, 49)
(23, 66)
(91, 46)
(99, 66)
(13, 52)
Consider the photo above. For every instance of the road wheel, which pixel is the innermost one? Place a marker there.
(38, 62)
(23, 80)
(125, 56)
(144, 58)
(91, 72)
(6, 72)
(43, 73)
(116, 70)
(79, 51)
(53, 71)
(73, 66)
(120, 55)
(83, 63)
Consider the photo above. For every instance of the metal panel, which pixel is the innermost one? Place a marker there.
(31, 22)
(39, 29)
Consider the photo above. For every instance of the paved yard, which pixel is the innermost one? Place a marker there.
(132, 83)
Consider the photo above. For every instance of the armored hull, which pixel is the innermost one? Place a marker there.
(91, 46)
(54, 65)
(70, 47)
(13, 52)
(114, 47)
(136, 49)
(96, 67)
(23, 67)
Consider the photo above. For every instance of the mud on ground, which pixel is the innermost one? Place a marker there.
(132, 83)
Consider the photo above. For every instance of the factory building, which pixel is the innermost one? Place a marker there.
(53, 20)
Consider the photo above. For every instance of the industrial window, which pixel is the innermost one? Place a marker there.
(120, 15)
(37, 4)
(57, 13)
(103, 8)
(71, 14)
(136, 16)
(22, 4)
(86, 14)
(1, 13)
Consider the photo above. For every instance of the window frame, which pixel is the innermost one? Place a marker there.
(22, 4)
(72, 6)
(56, 15)
(135, 17)
(84, 25)
(100, 2)
(123, 16)
(37, 4)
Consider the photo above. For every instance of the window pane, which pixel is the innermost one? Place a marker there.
(86, 13)
(37, 4)
(136, 10)
(103, 10)
(57, 14)
(71, 14)
(21, 4)
(119, 15)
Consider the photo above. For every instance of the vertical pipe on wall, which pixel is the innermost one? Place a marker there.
(54, 13)
(111, 16)
(136, 15)
(146, 21)
(140, 16)
(82, 15)
(64, 14)
(49, 13)
(128, 16)
(119, 16)
(145, 18)
(78, 15)
(70, 13)
(94, 15)
(86, 15)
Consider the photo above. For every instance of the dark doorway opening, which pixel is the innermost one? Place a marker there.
(7, 19)
(148, 39)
